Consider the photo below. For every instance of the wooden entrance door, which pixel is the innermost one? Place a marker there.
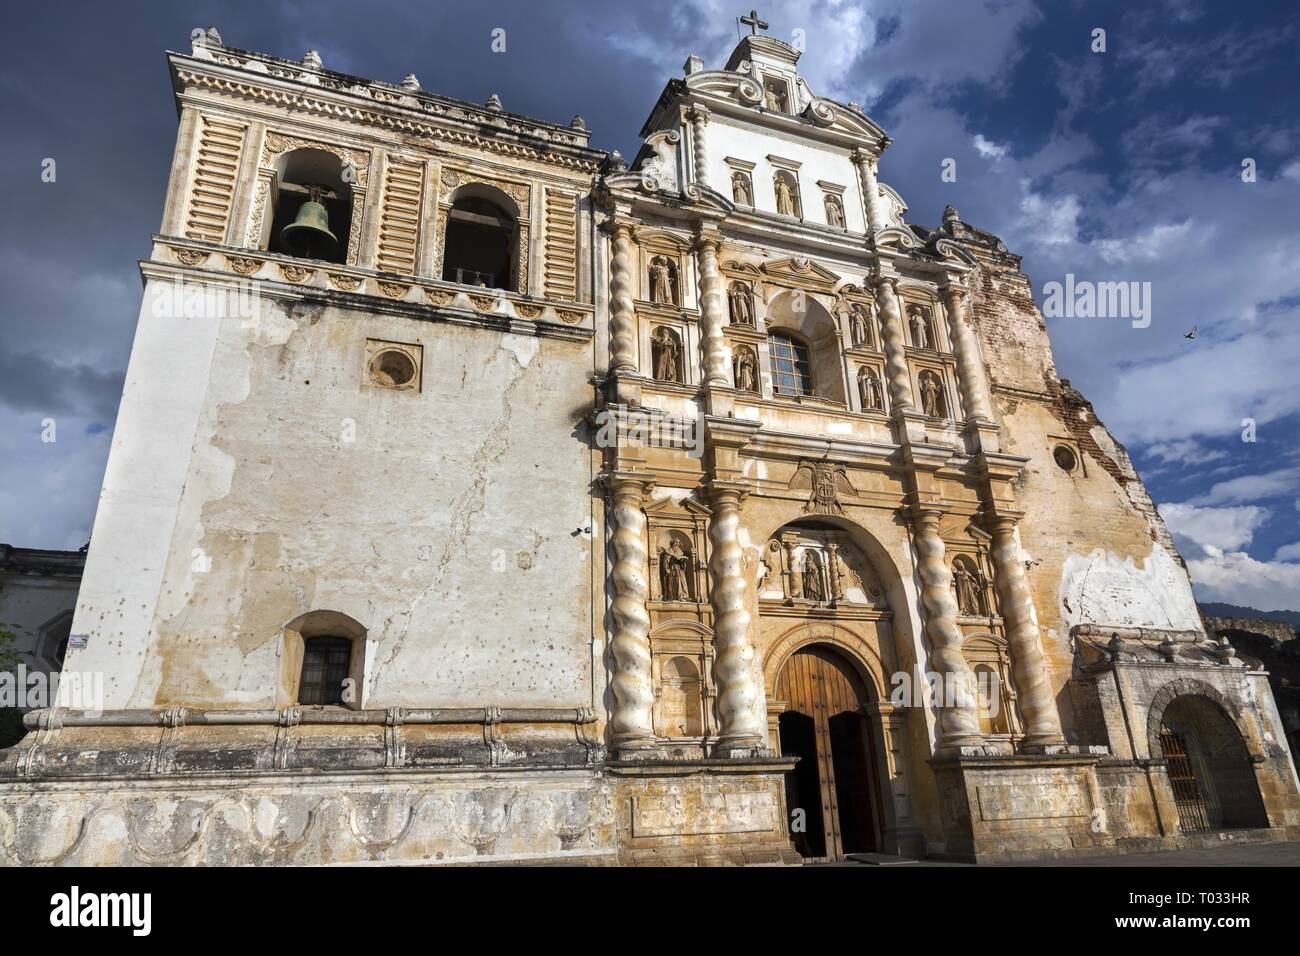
(824, 724)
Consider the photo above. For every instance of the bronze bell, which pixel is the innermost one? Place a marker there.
(309, 234)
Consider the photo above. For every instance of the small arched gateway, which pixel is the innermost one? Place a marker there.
(1209, 767)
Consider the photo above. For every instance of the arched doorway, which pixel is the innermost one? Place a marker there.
(1209, 768)
(824, 724)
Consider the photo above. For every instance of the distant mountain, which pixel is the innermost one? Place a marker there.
(1215, 609)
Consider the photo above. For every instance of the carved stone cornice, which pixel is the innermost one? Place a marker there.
(464, 126)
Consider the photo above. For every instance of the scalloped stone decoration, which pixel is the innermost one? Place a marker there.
(394, 290)
(189, 257)
(243, 265)
(345, 282)
(297, 274)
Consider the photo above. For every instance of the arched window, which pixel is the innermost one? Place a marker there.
(480, 244)
(326, 662)
(791, 368)
(313, 207)
(322, 660)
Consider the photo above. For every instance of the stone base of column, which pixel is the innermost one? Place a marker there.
(982, 434)
(1008, 808)
(740, 748)
(637, 748)
(702, 812)
(623, 390)
(1044, 744)
(959, 745)
(718, 402)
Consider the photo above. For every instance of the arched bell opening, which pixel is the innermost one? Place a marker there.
(313, 206)
(482, 239)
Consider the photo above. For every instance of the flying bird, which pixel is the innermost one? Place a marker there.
(1191, 334)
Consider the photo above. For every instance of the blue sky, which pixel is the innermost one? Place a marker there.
(1122, 165)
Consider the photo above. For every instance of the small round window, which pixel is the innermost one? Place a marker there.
(1066, 460)
(392, 369)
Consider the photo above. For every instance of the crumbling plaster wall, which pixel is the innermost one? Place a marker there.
(1095, 547)
(310, 489)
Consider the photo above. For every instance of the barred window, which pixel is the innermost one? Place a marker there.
(791, 370)
(325, 663)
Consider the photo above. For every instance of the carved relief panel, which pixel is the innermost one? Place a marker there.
(820, 567)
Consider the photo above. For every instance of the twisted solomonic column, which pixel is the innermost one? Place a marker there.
(897, 377)
(1028, 663)
(622, 307)
(716, 357)
(699, 145)
(739, 728)
(870, 191)
(958, 719)
(631, 722)
(974, 387)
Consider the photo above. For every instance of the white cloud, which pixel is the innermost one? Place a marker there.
(1184, 451)
(1288, 552)
(1237, 578)
(989, 149)
(1272, 484)
(1220, 528)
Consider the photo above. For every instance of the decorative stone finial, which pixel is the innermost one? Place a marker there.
(204, 39)
(311, 59)
(693, 64)
(409, 82)
(617, 163)
(494, 103)
(577, 122)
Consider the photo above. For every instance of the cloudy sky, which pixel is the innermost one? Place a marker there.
(1123, 165)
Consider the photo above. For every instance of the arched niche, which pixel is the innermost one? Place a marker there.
(681, 667)
(807, 320)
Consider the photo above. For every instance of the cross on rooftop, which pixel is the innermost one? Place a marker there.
(754, 23)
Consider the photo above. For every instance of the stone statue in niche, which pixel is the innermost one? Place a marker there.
(674, 573)
(665, 351)
(746, 370)
(859, 325)
(774, 97)
(920, 327)
(738, 301)
(663, 285)
(812, 578)
(931, 395)
(741, 193)
(968, 587)
(869, 385)
(786, 203)
(834, 212)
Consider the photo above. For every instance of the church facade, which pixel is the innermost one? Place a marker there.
(480, 496)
